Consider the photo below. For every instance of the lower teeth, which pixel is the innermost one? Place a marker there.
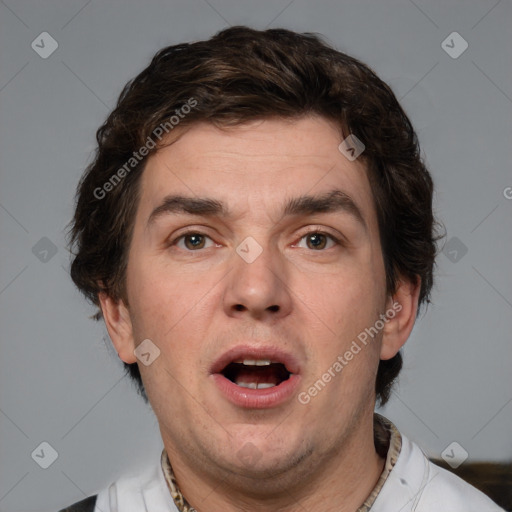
(255, 385)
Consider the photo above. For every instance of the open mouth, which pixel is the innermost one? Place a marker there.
(256, 377)
(256, 373)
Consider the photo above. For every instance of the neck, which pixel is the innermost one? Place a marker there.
(339, 481)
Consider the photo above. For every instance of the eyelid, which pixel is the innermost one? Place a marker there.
(337, 238)
(176, 238)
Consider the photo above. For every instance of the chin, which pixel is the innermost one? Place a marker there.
(269, 474)
(266, 459)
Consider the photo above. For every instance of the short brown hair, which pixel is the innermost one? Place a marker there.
(237, 76)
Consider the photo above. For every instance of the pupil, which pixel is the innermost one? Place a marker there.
(317, 240)
(194, 241)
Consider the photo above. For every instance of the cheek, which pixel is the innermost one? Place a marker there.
(173, 310)
(339, 307)
(159, 296)
(347, 297)
(151, 302)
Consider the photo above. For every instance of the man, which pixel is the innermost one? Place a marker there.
(257, 230)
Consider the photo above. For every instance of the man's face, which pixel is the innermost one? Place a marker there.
(254, 283)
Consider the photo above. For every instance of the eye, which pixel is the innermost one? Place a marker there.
(317, 240)
(193, 241)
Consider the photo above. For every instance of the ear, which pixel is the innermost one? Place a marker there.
(119, 327)
(401, 313)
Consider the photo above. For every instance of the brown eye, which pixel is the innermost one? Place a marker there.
(193, 241)
(316, 241)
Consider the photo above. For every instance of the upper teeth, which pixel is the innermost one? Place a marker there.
(256, 385)
(256, 362)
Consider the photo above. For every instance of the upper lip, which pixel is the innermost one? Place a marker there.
(251, 352)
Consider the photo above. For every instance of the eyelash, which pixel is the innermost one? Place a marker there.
(335, 239)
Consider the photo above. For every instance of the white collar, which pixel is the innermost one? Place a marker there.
(144, 492)
(413, 485)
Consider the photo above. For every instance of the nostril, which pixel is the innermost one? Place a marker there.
(241, 307)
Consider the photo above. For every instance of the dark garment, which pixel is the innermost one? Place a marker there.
(86, 505)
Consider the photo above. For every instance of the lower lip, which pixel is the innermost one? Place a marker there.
(257, 398)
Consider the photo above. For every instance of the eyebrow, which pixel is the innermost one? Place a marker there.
(330, 202)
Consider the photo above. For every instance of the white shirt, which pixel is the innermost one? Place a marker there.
(413, 485)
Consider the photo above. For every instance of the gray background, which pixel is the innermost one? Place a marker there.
(60, 379)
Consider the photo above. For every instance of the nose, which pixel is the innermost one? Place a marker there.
(257, 285)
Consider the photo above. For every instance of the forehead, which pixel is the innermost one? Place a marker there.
(257, 164)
